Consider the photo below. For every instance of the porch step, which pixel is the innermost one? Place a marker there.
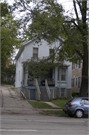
(44, 95)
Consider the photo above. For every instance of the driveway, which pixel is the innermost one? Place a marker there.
(11, 102)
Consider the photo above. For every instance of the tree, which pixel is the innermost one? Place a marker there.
(76, 43)
(9, 36)
(9, 74)
(48, 22)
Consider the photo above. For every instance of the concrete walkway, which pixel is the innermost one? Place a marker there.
(12, 103)
(53, 105)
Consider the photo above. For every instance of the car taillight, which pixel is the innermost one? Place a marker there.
(70, 105)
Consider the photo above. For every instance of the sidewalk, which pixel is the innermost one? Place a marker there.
(12, 103)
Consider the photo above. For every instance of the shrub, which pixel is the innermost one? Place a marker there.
(75, 94)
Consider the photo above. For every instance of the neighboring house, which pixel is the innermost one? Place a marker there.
(76, 76)
(57, 83)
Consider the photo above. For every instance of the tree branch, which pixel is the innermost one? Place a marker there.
(78, 2)
(76, 25)
(76, 10)
(78, 52)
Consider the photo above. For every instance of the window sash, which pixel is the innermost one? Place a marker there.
(63, 74)
(72, 82)
(35, 52)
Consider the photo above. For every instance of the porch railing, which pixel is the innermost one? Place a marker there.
(47, 88)
(38, 89)
(22, 94)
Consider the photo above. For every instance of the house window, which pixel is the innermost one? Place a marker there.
(73, 65)
(72, 81)
(35, 52)
(63, 74)
(62, 92)
(79, 64)
(79, 82)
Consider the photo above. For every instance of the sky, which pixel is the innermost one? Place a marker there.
(67, 4)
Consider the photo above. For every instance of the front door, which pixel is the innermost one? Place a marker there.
(32, 94)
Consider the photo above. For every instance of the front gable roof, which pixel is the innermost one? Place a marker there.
(28, 42)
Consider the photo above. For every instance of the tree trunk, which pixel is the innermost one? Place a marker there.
(84, 83)
(84, 32)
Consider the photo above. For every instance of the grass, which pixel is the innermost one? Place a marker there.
(60, 102)
(38, 104)
(41, 105)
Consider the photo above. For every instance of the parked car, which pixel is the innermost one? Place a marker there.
(78, 107)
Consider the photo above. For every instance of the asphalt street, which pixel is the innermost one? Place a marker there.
(18, 117)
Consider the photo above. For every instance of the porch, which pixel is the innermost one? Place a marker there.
(45, 92)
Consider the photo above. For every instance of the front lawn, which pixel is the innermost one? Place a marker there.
(38, 104)
(60, 102)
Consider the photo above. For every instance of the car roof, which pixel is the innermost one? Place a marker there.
(80, 98)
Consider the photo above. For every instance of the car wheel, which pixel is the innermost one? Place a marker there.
(79, 114)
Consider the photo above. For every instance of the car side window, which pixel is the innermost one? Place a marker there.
(86, 102)
(82, 101)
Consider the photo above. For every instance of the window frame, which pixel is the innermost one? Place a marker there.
(73, 65)
(35, 55)
(63, 75)
(73, 82)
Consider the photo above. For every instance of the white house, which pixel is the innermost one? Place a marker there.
(57, 83)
